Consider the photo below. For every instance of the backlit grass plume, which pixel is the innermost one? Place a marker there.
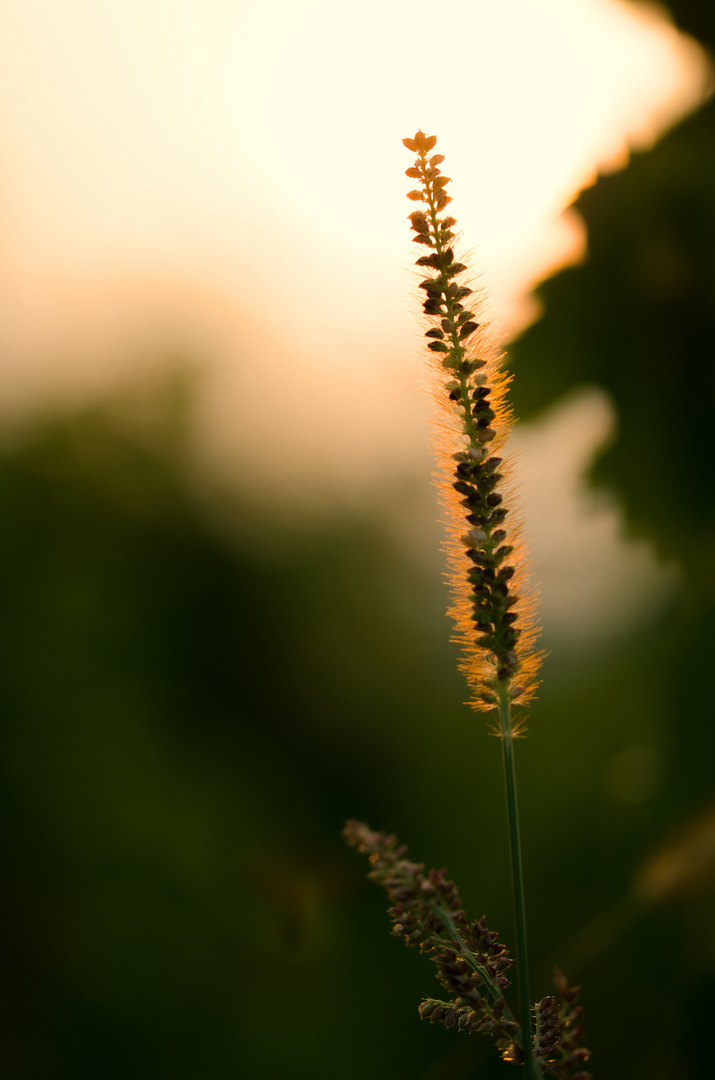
(493, 602)
(493, 610)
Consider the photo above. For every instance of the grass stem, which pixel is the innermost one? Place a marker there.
(517, 877)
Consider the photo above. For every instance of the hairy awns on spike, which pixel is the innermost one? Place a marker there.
(492, 599)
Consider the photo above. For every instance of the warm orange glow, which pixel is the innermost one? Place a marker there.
(228, 178)
(476, 665)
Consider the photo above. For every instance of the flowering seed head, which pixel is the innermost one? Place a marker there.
(493, 604)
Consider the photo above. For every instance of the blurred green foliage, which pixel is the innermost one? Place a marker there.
(191, 710)
(195, 697)
(638, 319)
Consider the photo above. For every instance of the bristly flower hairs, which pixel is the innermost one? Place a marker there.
(492, 606)
(492, 601)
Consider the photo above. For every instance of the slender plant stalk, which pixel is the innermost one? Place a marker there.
(492, 606)
(517, 880)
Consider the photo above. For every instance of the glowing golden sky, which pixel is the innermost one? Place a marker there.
(225, 179)
(252, 151)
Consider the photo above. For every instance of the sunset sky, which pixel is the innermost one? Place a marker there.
(225, 181)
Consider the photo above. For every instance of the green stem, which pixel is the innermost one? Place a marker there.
(495, 991)
(517, 877)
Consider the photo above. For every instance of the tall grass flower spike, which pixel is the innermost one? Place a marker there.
(493, 609)
(493, 604)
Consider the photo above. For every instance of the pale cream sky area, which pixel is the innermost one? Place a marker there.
(225, 180)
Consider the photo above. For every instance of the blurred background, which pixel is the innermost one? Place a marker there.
(223, 625)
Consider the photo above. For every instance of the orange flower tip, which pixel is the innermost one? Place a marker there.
(420, 143)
